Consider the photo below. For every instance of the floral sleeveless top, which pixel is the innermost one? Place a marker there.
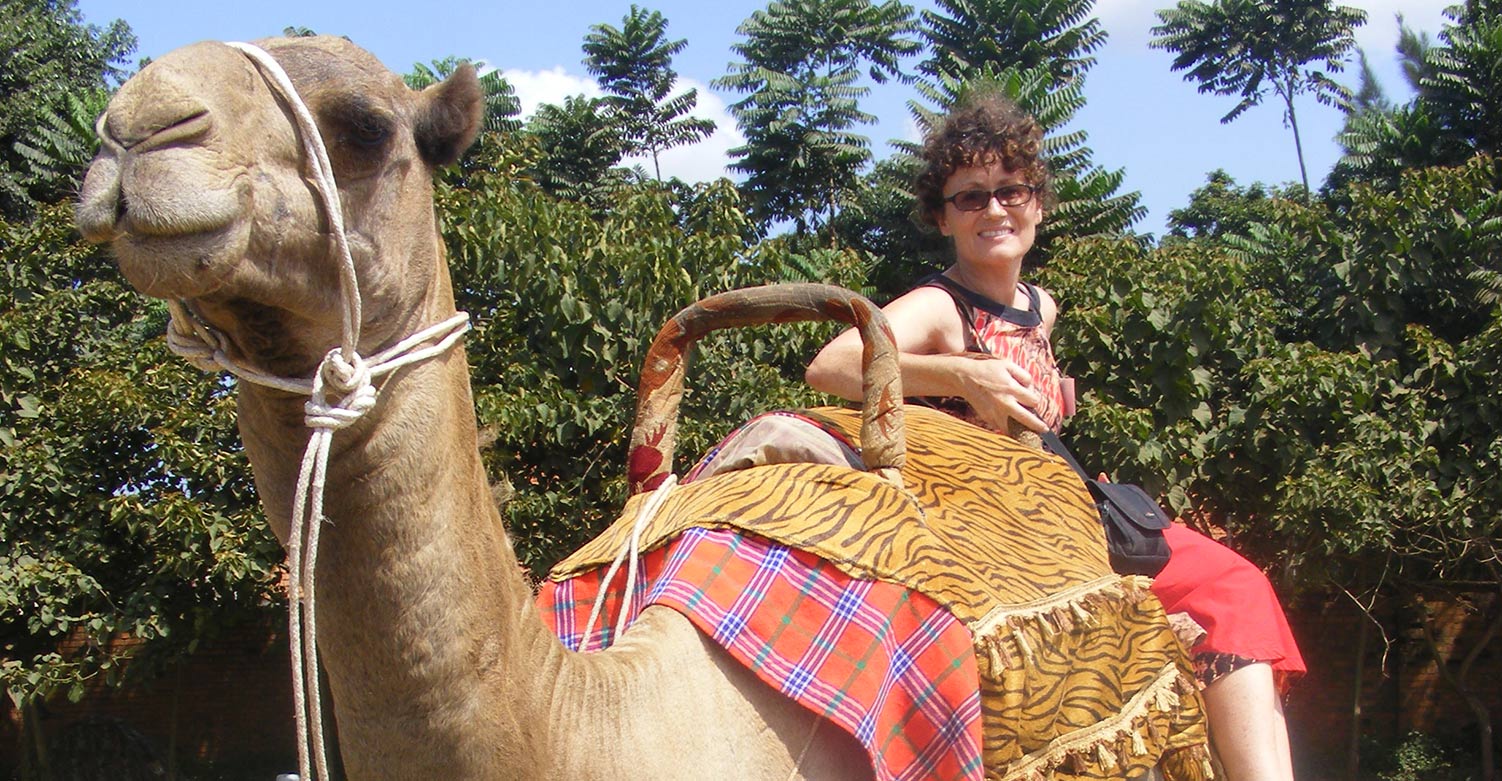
(996, 329)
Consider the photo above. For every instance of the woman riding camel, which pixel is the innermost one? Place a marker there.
(985, 185)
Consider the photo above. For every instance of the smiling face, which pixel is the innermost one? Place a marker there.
(997, 237)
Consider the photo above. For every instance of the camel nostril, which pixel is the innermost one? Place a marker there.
(153, 135)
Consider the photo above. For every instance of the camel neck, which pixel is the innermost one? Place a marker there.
(419, 595)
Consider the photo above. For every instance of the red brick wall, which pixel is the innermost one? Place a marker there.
(1401, 688)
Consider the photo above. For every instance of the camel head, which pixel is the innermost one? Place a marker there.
(203, 188)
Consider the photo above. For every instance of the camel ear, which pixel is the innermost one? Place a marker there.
(449, 117)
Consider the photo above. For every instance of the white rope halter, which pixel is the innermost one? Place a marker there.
(340, 392)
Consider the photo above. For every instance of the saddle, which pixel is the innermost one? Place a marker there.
(1063, 668)
(1077, 670)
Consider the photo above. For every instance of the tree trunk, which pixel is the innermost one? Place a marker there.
(1298, 144)
(34, 760)
(1353, 748)
(173, 722)
(834, 240)
(1457, 681)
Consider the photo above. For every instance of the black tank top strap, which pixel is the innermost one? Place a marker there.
(967, 300)
(1034, 299)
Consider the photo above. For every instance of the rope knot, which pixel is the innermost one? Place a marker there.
(350, 381)
(344, 375)
(186, 337)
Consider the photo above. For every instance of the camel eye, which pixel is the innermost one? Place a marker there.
(368, 131)
(361, 123)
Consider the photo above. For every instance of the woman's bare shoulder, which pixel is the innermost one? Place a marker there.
(926, 319)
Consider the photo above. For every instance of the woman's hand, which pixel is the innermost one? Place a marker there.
(999, 390)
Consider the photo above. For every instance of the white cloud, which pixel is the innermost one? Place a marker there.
(534, 88)
(1131, 21)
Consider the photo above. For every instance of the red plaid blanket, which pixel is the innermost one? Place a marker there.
(887, 664)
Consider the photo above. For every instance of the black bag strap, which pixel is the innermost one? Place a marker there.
(1053, 444)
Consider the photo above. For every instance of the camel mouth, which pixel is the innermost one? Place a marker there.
(149, 196)
(181, 218)
(170, 214)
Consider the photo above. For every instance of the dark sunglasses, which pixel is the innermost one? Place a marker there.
(1006, 195)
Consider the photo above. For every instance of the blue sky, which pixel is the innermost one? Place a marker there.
(1141, 116)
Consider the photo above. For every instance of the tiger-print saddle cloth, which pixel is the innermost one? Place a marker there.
(1080, 674)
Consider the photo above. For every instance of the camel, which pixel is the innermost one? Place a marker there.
(439, 664)
(438, 661)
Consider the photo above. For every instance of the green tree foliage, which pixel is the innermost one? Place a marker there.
(58, 148)
(1368, 95)
(1413, 53)
(802, 61)
(1222, 211)
(1454, 114)
(126, 507)
(965, 35)
(1348, 433)
(46, 54)
(567, 300)
(581, 148)
(880, 221)
(1247, 47)
(1362, 434)
(634, 64)
(1460, 83)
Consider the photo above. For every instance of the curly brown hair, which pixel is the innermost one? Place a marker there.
(988, 127)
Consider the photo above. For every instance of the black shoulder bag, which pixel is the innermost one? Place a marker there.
(1133, 521)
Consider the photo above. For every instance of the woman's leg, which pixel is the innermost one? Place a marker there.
(1247, 727)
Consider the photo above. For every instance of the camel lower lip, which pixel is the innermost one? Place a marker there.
(181, 265)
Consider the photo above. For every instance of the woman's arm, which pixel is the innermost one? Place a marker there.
(930, 344)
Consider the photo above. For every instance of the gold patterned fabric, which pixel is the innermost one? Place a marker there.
(1081, 676)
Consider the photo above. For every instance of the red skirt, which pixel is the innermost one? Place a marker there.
(1230, 598)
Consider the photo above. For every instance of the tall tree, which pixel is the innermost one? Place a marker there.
(964, 35)
(1460, 83)
(1246, 47)
(802, 63)
(634, 65)
(46, 53)
(1369, 95)
(1454, 114)
(1413, 52)
(581, 150)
